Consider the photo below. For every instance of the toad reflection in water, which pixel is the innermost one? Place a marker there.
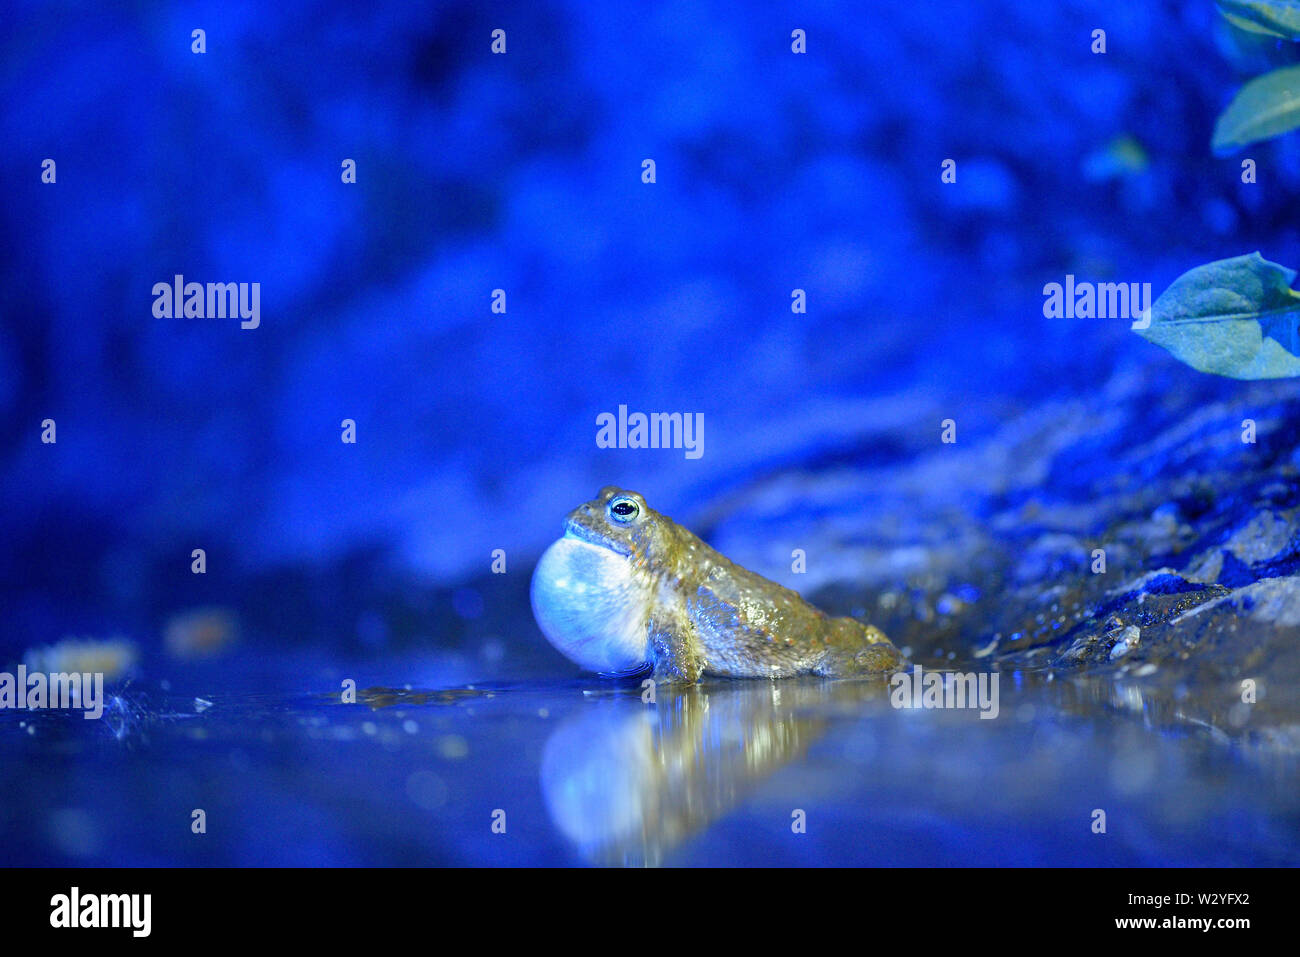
(627, 781)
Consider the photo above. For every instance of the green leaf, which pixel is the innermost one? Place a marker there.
(1276, 18)
(1268, 105)
(1235, 317)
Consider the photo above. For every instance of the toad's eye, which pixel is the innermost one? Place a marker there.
(623, 510)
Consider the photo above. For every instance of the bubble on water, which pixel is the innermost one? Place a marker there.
(453, 746)
(426, 790)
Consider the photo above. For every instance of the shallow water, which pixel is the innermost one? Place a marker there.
(586, 772)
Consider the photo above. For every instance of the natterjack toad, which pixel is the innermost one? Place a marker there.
(627, 587)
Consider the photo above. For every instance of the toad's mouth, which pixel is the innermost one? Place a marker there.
(577, 527)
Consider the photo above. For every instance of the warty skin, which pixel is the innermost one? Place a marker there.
(627, 587)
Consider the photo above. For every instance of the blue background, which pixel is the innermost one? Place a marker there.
(476, 431)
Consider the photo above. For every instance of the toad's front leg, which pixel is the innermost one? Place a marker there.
(674, 647)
